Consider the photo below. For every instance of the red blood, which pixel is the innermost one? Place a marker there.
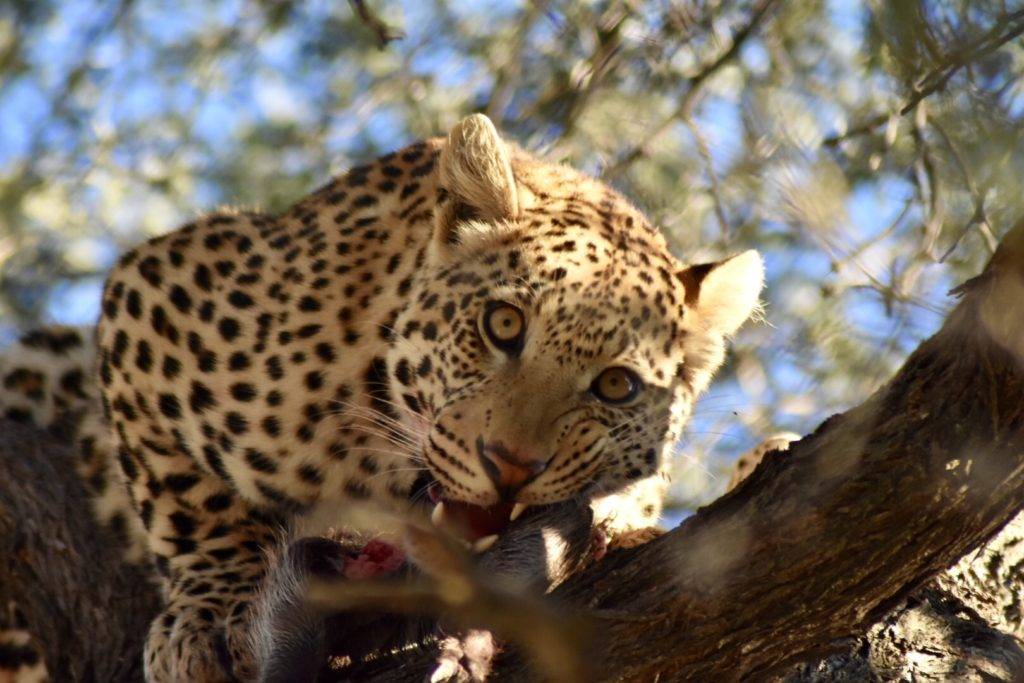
(375, 558)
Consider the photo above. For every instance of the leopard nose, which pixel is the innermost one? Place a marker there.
(508, 470)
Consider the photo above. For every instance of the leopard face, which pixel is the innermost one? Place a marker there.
(552, 346)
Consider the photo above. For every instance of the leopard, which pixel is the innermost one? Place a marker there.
(21, 660)
(459, 328)
(21, 654)
(745, 465)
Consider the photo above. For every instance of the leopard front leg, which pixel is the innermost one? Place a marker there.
(208, 544)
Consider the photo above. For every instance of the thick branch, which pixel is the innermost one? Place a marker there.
(965, 626)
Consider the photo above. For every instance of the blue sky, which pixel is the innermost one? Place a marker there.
(274, 81)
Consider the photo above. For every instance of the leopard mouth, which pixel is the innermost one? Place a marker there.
(479, 525)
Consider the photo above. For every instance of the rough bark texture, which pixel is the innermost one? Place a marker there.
(800, 560)
(965, 625)
(89, 609)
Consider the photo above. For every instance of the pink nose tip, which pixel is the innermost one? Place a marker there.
(508, 470)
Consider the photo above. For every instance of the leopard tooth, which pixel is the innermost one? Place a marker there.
(484, 544)
(517, 509)
(437, 514)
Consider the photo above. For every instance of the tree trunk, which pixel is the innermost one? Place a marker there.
(818, 547)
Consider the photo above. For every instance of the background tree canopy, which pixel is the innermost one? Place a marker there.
(871, 150)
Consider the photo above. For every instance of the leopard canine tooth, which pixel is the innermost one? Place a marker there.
(437, 514)
(517, 510)
(484, 544)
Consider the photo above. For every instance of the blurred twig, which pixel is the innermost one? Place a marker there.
(1006, 29)
(713, 185)
(979, 217)
(689, 99)
(508, 73)
(553, 638)
(568, 98)
(385, 33)
(926, 179)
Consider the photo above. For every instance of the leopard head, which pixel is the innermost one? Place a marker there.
(553, 346)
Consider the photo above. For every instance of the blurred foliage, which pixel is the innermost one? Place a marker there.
(872, 151)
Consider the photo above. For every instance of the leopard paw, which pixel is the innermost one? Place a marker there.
(191, 643)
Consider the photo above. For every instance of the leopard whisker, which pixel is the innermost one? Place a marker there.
(404, 337)
(384, 436)
(370, 411)
(375, 416)
(386, 451)
(617, 429)
(391, 470)
(397, 431)
(385, 432)
(404, 408)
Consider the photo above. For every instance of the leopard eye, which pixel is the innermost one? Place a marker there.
(505, 326)
(616, 386)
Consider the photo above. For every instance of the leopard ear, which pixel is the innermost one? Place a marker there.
(477, 174)
(724, 294)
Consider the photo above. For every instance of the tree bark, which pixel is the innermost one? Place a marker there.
(965, 625)
(88, 610)
(799, 561)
